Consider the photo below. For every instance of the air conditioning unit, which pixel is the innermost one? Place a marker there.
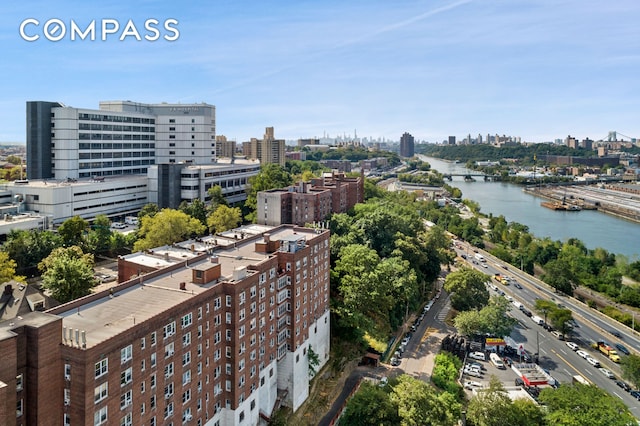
(67, 377)
(188, 417)
(67, 402)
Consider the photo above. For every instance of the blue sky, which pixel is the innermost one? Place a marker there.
(539, 69)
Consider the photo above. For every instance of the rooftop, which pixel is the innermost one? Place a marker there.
(115, 313)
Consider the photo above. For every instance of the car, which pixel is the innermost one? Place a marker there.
(484, 265)
(517, 285)
(616, 333)
(383, 381)
(607, 373)
(527, 312)
(464, 256)
(593, 361)
(583, 354)
(118, 225)
(558, 335)
(473, 373)
(470, 384)
(475, 365)
(478, 355)
(505, 267)
(573, 346)
(623, 385)
(509, 298)
(519, 381)
(622, 349)
(413, 328)
(395, 361)
(635, 394)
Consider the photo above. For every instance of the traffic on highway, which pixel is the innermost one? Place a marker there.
(592, 350)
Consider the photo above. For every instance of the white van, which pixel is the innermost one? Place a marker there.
(518, 305)
(131, 220)
(537, 320)
(496, 361)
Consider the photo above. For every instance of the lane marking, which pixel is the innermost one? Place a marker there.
(568, 364)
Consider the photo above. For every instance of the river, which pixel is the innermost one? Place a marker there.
(593, 228)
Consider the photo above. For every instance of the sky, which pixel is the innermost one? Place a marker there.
(538, 69)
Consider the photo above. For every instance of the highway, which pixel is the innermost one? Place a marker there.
(555, 355)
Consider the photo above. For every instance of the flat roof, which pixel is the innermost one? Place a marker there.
(53, 183)
(111, 315)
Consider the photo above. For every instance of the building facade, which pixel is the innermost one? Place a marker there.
(268, 149)
(310, 202)
(120, 138)
(220, 339)
(407, 145)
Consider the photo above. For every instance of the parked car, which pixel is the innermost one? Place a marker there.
(527, 312)
(478, 355)
(583, 354)
(470, 384)
(635, 394)
(623, 385)
(383, 381)
(395, 361)
(473, 373)
(573, 346)
(475, 365)
(118, 225)
(593, 361)
(607, 373)
(622, 349)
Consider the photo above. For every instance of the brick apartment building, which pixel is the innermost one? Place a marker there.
(310, 202)
(221, 337)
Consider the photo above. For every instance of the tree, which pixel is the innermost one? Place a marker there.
(372, 406)
(467, 288)
(8, 269)
(631, 369)
(149, 209)
(67, 273)
(270, 176)
(224, 218)
(196, 209)
(72, 231)
(491, 407)
(167, 227)
(578, 405)
(557, 273)
(495, 319)
(100, 235)
(419, 403)
(544, 307)
(314, 361)
(560, 320)
(216, 198)
(28, 248)
(14, 159)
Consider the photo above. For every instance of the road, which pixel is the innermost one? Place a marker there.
(555, 355)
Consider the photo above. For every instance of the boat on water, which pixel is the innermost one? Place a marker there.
(561, 206)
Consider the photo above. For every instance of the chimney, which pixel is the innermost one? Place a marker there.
(8, 290)
(267, 237)
(214, 259)
(183, 285)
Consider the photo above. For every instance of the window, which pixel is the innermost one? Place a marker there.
(153, 360)
(168, 370)
(126, 399)
(126, 354)
(100, 417)
(19, 407)
(152, 381)
(102, 367)
(126, 377)
(186, 339)
(187, 320)
(186, 377)
(153, 338)
(169, 350)
(126, 420)
(169, 330)
(20, 382)
(101, 392)
(229, 301)
(152, 402)
(217, 304)
(186, 396)
(142, 343)
(168, 391)
(168, 410)
(186, 358)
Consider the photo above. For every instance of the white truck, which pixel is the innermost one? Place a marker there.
(480, 257)
(131, 220)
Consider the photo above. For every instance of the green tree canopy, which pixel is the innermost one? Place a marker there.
(8, 269)
(67, 273)
(72, 231)
(631, 369)
(99, 237)
(28, 248)
(579, 405)
(196, 209)
(420, 404)
(149, 209)
(370, 406)
(167, 227)
(467, 288)
(224, 218)
(216, 198)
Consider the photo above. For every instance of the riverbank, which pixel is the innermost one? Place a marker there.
(618, 200)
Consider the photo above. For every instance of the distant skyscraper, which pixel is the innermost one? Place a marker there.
(452, 140)
(406, 145)
(269, 149)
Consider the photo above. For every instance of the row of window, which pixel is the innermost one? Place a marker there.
(115, 118)
(108, 164)
(114, 137)
(100, 155)
(115, 128)
(101, 146)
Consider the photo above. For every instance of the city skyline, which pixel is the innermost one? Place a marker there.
(537, 69)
